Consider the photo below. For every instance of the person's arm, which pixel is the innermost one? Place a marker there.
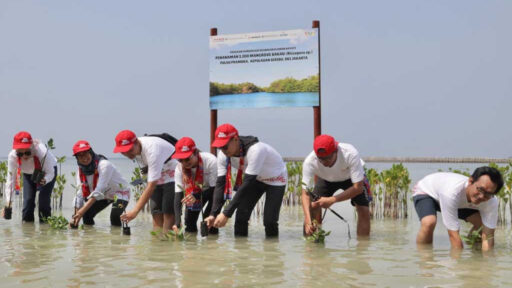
(222, 218)
(218, 200)
(248, 181)
(487, 238)
(455, 240)
(144, 198)
(80, 213)
(326, 202)
(306, 207)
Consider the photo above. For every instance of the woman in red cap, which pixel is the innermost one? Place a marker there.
(335, 166)
(100, 184)
(39, 167)
(264, 172)
(195, 178)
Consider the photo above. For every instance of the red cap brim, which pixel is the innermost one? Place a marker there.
(122, 149)
(182, 155)
(220, 142)
(81, 150)
(21, 146)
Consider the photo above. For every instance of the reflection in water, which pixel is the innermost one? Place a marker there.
(34, 255)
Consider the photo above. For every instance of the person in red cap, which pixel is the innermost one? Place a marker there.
(99, 185)
(195, 176)
(34, 160)
(264, 172)
(154, 153)
(335, 166)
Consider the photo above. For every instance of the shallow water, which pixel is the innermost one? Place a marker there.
(33, 255)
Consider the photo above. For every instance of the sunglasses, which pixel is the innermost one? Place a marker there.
(26, 153)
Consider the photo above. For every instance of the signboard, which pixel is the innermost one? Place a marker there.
(266, 69)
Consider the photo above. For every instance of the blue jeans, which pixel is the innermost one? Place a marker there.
(29, 198)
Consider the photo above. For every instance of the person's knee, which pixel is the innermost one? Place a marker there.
(428, 223)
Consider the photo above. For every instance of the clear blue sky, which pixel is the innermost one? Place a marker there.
(399, 78)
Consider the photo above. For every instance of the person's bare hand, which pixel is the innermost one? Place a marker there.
(324, 202)
(220, 221)
(189, 199)
(129, 216)
(209, 221)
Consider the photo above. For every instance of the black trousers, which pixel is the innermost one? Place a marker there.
(29, 198)
(115, 214)
(273, 200)
(192, 216)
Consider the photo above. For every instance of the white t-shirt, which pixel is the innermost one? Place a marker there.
(209, 172)
(155, 151)
(348, 165)
(110, 184)
(39, 150)
(449, 190)
(262, 160)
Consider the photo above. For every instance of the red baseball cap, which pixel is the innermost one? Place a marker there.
(223, 134)
(81, 146)
(22, 140)
(124, 141)
(184, 148)
(325, 142)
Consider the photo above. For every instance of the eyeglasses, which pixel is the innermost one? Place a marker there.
(487, 195)
(26, 153)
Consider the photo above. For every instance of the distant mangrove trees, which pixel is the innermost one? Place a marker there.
(286, 85)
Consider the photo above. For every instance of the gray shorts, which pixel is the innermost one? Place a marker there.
(426, 205)
(162, 200)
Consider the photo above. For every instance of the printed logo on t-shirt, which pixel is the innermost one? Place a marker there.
(278, 179)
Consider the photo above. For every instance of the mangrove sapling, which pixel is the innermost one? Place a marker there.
(7, 212)
(293, 192)
(177, 236)
(77, 189)
(57, 222)
(314, 197)
(61, 160)
(318, 235)
(474, 238)
(139, 180)
(3, 176)
(505, 193)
